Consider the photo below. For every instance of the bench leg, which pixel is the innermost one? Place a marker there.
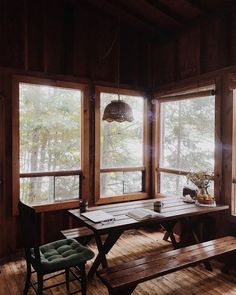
(122, 291)
(190, 229)
(229, 264)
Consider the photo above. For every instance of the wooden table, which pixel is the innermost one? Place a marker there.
(174, 209)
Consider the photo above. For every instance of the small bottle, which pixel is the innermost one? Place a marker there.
(83, 205)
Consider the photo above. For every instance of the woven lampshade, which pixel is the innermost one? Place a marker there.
(119, 111)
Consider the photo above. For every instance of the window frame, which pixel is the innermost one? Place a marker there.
(233, 189)
(83, 172)
(146, 151)
(172, 95)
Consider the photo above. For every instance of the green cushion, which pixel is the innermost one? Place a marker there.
(63, 254)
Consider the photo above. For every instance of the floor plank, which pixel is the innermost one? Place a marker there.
(132, 245)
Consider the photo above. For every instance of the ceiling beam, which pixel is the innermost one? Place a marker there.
(198, 6)
(145, 10)
(127, 17)
(165, 10)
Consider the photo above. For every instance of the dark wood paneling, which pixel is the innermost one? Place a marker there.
(2, 166)
(35, 35)
(214, 44)
(12, 33)
(51, 228)
(69, 38)
(188, 54)
(232, 38)
(82, 21)
(142, 64)
(104, 48)
(203, 48)
(164, 63)
(128, 57)
(65, 38)
(54, 33)
(133, 58)
(57, 38)
(227, 131)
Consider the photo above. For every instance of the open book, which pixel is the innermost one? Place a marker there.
(143, 214)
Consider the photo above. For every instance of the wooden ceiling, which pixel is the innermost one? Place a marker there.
(158, 17)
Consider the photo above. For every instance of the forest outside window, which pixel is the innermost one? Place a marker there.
(49, 142)
(121, 156)
(187, 141)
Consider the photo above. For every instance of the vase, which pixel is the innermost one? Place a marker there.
(202, 191)
(204, 197)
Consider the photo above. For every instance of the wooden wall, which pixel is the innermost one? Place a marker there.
(205, 50)
(65, 40)
(201, 48)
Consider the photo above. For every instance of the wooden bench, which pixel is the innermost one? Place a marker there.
(123, 279)
(82, 234)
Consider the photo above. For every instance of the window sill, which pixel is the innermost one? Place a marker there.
(122, 198)
(54, 206)
(159, 195)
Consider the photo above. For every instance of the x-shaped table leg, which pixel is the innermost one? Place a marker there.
(103, 249)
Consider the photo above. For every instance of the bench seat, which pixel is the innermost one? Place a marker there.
(122, 279)
(79, 233)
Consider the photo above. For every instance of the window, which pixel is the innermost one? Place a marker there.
(233, 197)
(186, 140)
(48, 141)
(121, 159)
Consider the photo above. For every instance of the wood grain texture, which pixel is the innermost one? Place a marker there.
(188, 54)
(156, 265)
(34, 39)
(174, 208)
(196, 279)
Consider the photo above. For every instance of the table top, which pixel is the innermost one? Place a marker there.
(174, 208)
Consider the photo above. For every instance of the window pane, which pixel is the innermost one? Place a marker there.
(49, 128)
(122, 143)
(119, 183)
(66, 187)
(36, 190)
(172, 184)
(188, 134)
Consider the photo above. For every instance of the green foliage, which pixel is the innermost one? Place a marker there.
(50, 123)
(122, 146)
(188, 138)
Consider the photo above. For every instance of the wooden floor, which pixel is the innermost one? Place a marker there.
(132, 245)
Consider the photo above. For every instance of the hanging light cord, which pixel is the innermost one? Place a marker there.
(107, 53)
(118, 62)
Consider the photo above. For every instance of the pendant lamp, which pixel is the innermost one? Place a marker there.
(118, 110)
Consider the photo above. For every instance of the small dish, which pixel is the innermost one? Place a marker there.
(213, 204)
(188, 199)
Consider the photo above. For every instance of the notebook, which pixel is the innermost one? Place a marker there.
(98, 216)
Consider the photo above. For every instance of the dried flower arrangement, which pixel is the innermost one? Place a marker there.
(201, 179)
